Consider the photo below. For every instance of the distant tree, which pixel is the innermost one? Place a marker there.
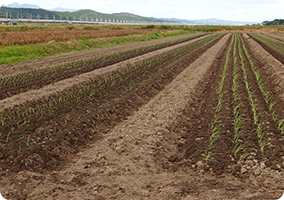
(265, 23)
(274, 22)
(25, 12)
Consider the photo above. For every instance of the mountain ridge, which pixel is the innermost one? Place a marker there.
(17, 5)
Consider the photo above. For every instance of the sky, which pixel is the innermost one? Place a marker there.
(234, 10)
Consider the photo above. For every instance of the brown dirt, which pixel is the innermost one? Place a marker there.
(147, 155)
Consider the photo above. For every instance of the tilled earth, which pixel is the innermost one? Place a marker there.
(151, 144)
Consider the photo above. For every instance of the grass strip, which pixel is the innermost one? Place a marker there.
(16, 54)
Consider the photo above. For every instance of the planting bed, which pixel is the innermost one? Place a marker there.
(200, 118)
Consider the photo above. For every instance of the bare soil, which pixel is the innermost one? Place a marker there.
(148, 146)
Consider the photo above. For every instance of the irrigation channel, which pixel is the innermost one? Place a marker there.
(194, 118)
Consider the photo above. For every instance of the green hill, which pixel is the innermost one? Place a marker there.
(25, 13)
(82, 15)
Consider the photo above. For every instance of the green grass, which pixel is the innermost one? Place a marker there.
(16, 54)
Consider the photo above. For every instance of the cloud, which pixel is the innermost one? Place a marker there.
(279, 4)
(248, 10)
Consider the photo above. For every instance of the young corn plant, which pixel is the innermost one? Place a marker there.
(281, 125)
(261, 140)
(209, 155)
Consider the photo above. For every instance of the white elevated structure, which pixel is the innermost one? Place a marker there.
(20, 21)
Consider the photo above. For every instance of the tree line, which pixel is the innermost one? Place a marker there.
(274, 22)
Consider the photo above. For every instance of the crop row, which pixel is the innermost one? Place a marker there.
(216, 125)
(250, 97)
(271, 43)
(281, 37)
(265, 93)
(10, 38)
(238, 118)
(48, 75)
(254, 105)
(37, 121)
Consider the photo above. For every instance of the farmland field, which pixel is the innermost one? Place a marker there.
(196, 116)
